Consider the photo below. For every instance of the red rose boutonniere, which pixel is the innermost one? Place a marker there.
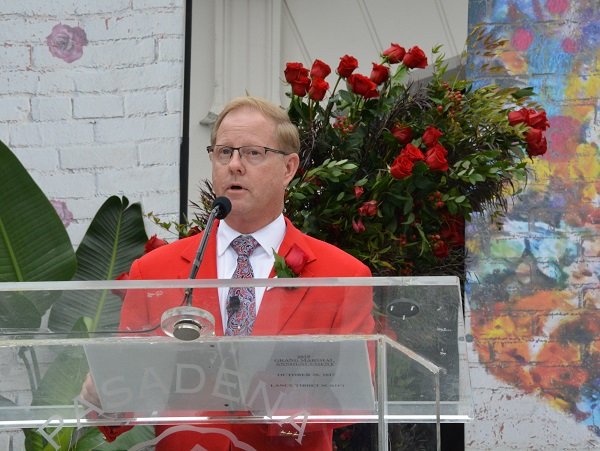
(293, 263)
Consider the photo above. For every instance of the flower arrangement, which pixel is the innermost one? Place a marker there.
(392, 168)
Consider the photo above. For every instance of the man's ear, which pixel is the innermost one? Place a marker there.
(291, 166)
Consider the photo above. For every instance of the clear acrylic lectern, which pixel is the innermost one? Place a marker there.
(409, 366)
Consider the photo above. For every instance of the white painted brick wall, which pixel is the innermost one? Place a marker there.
(141, 103)
(64, 8)
(170, 49)
(85, 107)
(136, 128)
(174, 100)
(108, 123)
(13, 108)
(38, 158)
(139, 180)
(51, 109)
(17, 82)
(4, 132)
(51, 133)
(15, 57)
(99, 157)
(159, 152)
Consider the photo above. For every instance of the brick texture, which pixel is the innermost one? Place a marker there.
(106, 123)
(533, 286)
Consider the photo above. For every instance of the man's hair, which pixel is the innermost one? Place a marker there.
(287, 134)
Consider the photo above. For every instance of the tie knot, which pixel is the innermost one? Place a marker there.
(244, 245)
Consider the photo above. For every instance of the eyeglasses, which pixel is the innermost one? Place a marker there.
(251, 154)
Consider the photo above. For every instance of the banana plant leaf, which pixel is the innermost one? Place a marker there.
(61, 383)
(86, 439)
(34, 244)
(115, 238)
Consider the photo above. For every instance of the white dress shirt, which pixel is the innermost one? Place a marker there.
(262, 259)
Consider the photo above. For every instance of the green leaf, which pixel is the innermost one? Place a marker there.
(34, 244)
(346, 96)
(474, 178)
(115, 238)
(410, 219)
(408, 206)
(298, 196)
(281, 268)
(524, 92)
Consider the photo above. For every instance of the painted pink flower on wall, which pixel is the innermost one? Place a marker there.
(66, 42)
(63, 212)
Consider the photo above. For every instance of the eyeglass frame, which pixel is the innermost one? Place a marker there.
(267, 149)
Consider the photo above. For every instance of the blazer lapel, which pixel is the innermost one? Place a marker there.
(278, 304)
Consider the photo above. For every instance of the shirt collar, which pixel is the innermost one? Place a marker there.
(269, 237)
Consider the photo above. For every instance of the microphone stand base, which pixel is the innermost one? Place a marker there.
(188, 323)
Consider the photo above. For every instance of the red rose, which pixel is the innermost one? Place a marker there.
(293, 71)
(318, 89)
(380, 74)
(319, 70)
(368, 208)
(412, 153)
(415, 58)
(348, 64)
(111, 432)
(403, 133)
(401, 167)
(436, 158)
(536, 143)
(518, 117)
(453, 232)
(121, 293)
(358, 191)
(153, 243)
(358, 226)
(296, 259)
(431, 135)
(301, 86)
(363, 86)
(538, 120)
(394, 54)
(440, 249)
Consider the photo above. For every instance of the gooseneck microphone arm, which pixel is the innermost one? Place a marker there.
(220, 209)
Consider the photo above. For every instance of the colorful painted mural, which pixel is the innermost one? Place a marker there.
(534, 288)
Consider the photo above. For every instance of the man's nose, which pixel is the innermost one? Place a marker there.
(235, 163)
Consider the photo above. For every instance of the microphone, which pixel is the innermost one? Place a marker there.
(186, 322)
(220, 209)
(234, 303)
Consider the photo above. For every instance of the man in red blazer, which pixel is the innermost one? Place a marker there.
(254, 155)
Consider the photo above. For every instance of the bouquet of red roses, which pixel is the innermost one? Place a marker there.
(391, 166)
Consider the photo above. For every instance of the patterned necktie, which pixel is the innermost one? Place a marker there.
(241, 302)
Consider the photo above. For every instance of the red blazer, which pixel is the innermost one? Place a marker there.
(282, 311)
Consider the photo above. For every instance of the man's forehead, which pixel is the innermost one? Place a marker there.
(246, 119)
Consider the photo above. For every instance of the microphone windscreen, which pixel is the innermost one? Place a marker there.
(223, 206)
(234, 303)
